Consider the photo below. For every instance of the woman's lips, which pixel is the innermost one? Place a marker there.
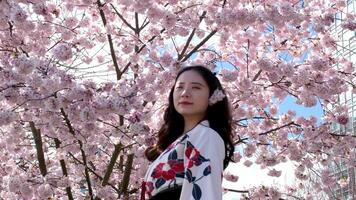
(185, 103)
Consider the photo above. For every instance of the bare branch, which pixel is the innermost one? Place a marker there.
(150, 40)
(10, 28)
(64, 170)
(248, 58)
(238, 191)
(272, 130)
(113, 159)
(122, 18)
(13, 86)
(137, 29)
(111, 45)
(244, 119)
(199, 45)
(257, 75)
(93, 171)
(265, 133)
(180, 56)
(138, 51)
(127, 173)
(71, 130)
(39, 149)
(144, 24)
(341, 135)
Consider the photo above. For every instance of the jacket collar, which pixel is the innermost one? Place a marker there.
(205, 123)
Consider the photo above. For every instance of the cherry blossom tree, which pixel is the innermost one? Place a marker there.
(66, 135)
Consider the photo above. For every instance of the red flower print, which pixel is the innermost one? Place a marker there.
(168, 170)
(176, 165)
(193, 158)
(163, 170)
(193, 155)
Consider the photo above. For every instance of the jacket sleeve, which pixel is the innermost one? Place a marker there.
(204, 153)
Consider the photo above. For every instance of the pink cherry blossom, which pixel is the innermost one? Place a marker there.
(274, 173)
(265, 64)
(327, 179)
(6, 117)
(237, 156)
(249, 150)
(230, 177)
(273, 194)
(342, 119)
(71, 22)
(18, 14)
(26, 191)
(319, 64)
(248, 163)
(24, 65)
(245, 84)
(44, 191)
(62, 52)
(350, 22)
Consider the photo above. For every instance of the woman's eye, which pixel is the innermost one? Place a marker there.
(196, 87)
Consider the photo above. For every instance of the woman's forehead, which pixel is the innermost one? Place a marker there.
(190, 77)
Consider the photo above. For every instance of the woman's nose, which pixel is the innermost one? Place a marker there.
(185, 92)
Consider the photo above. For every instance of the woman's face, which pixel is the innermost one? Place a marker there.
(191, 95)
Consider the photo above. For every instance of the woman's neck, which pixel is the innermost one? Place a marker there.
(190, 123)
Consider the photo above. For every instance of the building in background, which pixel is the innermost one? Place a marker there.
(346, 47)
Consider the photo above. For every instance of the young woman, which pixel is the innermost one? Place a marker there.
(194, 143)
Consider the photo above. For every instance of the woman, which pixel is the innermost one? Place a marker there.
(194, 143)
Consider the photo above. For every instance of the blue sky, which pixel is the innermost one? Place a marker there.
(289, 104)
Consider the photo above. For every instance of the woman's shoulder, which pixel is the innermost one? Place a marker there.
(204, 132)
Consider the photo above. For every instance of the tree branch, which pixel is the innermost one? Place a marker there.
(93, 171)
(180, 56)
(238, 191)
(13, 86)
(113, 159)
(272, 130)
(248, 58)
(257, 75)
(113, 56)
(199, 45)
(126, 179)
(71, 130)
(144, 24)
(111, 45)
(150, 40)
(122, 18)
(224, 3)
(341, 135)
(240, 140)
(265, 133)
(39, 149)
(10, 28)
(137, 29)
(244, 119)
(138, 51)
(64, 170)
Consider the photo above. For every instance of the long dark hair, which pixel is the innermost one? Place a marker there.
(218, 115)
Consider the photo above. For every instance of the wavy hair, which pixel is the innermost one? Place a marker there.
(218, 115)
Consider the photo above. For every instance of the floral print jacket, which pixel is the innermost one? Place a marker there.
(194, 161)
